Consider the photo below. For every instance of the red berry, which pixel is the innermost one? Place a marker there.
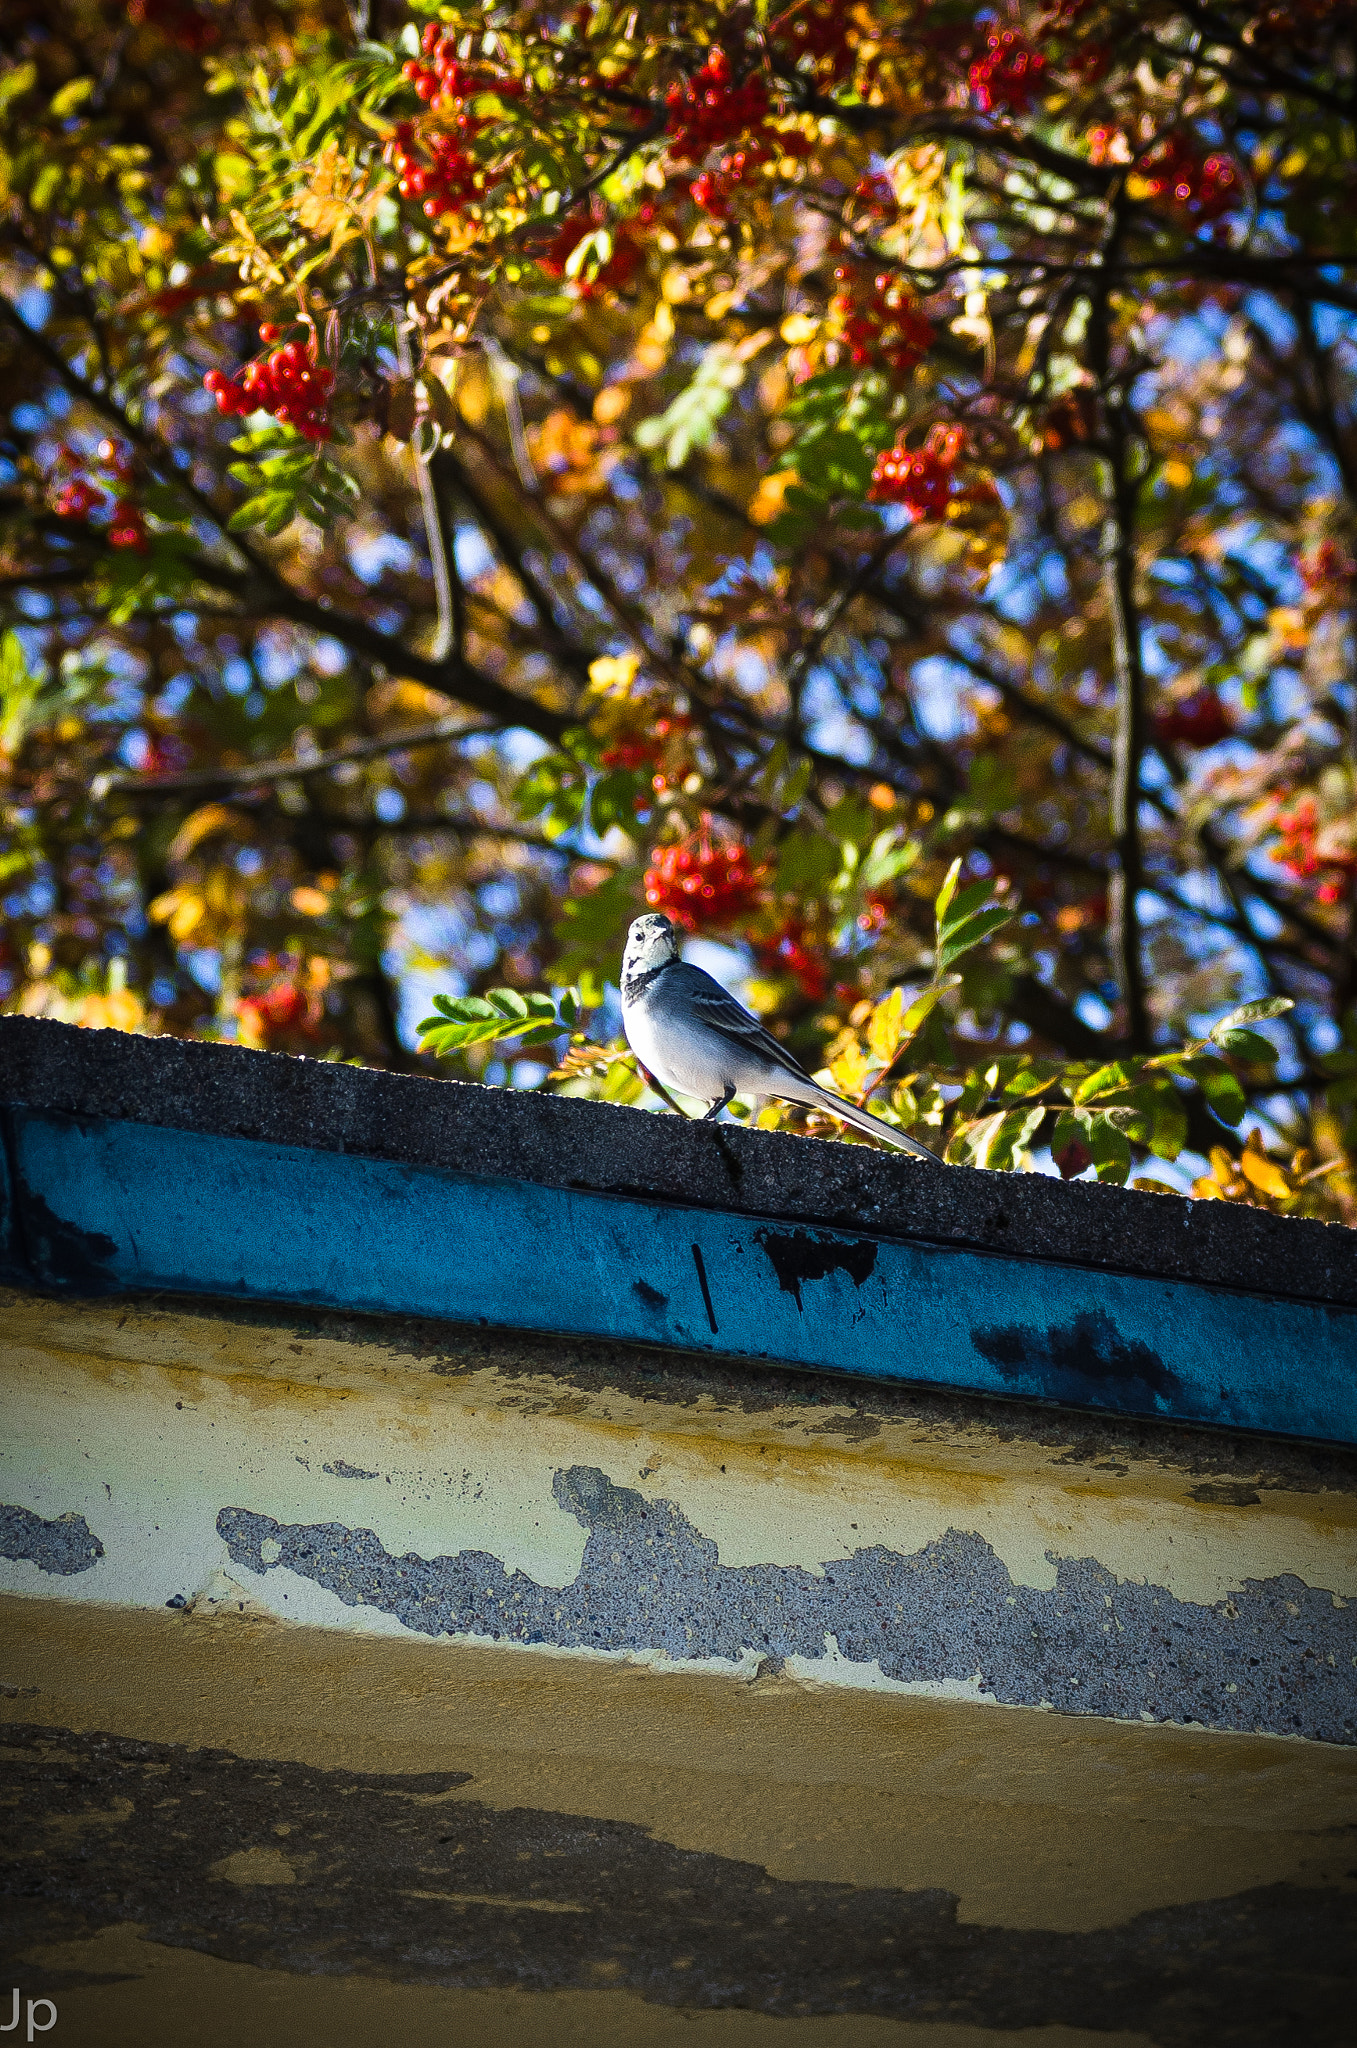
(1009, 75)
(920, 479)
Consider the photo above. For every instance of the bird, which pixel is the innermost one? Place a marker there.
(690, 1033)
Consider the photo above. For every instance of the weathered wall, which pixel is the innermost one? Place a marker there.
(473, 1819)
(353, 1482)
(368, 1676)
(631, 1686)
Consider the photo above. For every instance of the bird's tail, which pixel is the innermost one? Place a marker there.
(863, 1120)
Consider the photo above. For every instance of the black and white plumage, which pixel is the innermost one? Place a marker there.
(692, 1035)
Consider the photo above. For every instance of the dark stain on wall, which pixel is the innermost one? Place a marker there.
(1072, 1358)
(457, 1893)
(797, 1256)
(42, 1246)
(1279, 1655)
(63, 1547)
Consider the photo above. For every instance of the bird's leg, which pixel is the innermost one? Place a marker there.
(659, 1088)
(717, 1107)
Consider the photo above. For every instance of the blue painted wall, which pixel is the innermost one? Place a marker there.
(100, 1206)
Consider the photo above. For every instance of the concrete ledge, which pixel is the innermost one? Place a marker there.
(551, 1141)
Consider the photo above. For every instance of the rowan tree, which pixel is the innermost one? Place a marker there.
(876, 482)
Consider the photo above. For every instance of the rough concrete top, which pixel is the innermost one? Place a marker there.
(558, 1142)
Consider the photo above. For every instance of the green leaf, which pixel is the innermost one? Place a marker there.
(508, 1002)
(971, 933)
(1244, 1045)
(612, 801)
(945, 894)
(1008, 1134)
(19, 688)
(887, 857)
(1253, 1013)
(1168, 1129)
(1103, 1080)
(1110, 1148)
(923, 1005)
(271, 509)
(963, 905)
(806, 860)
(1225, 1096)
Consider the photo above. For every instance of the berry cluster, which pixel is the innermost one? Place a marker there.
(712, 190)
(879, 319)
(444, 79)
(611, 276)
(128, 528)
(1309, 848)
(1200, 720)
(1202, 189)
(876, 192)
(920, 479)
(1008, 77)
(452, 182)
(703, 886)
(788, 953)
(648, 749)
(80, 498)
(286, 1001)
(290, 384)
(710, 109)
(875, 913)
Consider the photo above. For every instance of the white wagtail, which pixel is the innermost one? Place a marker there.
(692, 1035)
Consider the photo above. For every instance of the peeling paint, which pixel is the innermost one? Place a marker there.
(553, 1901)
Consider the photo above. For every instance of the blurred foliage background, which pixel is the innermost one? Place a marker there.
(873, 481)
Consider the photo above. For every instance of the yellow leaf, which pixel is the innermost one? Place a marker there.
(612, 675)
(119, 1010)
(849, 1071)
(310, 902)
(766, 504)
(187, 915)
(798, 328)
(883, 1033)
(200, 825)
(1158, 1187)
(1207, 1190)
(1222, 1165)
(1269, 1179)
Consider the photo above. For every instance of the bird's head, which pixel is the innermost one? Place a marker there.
(652, 942)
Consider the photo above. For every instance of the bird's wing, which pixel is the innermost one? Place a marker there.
(716, 1009)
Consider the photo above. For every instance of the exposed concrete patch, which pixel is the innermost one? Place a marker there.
(405, 1884)
(63, 1546)
(1280, 1656)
